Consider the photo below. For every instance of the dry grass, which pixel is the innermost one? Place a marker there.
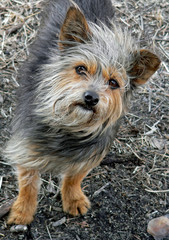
(146, 129)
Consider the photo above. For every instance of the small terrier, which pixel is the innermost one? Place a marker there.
(74, 88)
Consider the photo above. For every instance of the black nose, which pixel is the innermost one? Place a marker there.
(91, 98)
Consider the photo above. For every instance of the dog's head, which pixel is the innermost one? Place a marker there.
(84, 87)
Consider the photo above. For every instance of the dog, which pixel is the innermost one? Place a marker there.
(75, 87)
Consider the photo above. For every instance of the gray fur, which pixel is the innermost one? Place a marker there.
(62, 141)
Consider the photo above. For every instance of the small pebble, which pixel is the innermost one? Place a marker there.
(18, 228)
(159, 227)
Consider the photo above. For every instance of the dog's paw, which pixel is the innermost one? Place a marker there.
(19, 218)
(20, 214)
(76, 206)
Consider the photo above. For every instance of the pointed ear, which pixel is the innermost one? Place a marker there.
(145, 65)
(74, 29)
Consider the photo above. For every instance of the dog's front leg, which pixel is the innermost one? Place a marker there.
(73, 199)
(24, 207)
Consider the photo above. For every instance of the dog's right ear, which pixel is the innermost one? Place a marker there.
(74, 29)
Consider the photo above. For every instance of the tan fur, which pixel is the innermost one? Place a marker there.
(73, 199)
(24, 207)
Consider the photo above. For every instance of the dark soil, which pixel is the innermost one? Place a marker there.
(131, 186)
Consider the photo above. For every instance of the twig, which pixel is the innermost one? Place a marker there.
(95, 174)
(157, 106)
(137, 237)
(49, 183)
(167, 69)
(158, 169)
(125, 22)
(48, 232)
(164, 51)
(150, 100)
(163, 94)
(134, 152)
(1, 179)
(154, 162)
(33, 14)
(153, 128)
(4, 163)
(141, 23)
(161, 39)
(157, 191)
(14, 28)
(100, 190)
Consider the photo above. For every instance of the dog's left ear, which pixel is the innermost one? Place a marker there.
(145, 65)
(74, 29)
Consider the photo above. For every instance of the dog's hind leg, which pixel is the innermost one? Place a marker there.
(24, 207)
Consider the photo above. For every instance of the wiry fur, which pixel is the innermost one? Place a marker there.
(52, 128)
(44, 117)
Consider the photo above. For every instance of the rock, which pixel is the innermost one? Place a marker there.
(59, 222)
(18, 228)
(159, 227)
(1, 99)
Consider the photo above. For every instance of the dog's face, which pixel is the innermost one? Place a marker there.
(85, 88)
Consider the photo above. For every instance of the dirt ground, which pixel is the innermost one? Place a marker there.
(131, 186)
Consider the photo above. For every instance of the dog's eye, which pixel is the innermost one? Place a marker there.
(81, 70)
(113, 84)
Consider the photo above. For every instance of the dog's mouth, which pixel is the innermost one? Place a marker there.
(86, 107)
